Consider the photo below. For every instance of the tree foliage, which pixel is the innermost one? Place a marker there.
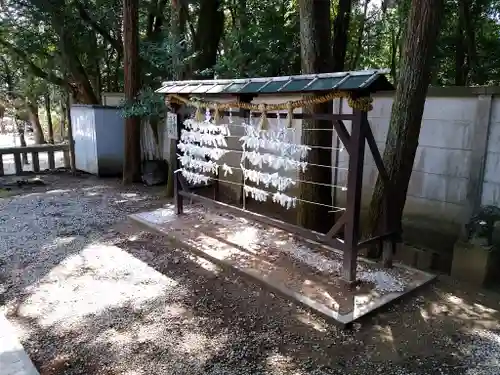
(77, 45)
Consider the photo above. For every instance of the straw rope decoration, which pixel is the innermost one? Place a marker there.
(363, 104)
(263, 122)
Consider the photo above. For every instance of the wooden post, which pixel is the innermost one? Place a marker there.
(36, 162)
(1, 166)
(17, 162)
(51, 160)
(62, 125)
(479, 149)
(175, 164)
(71, 140)
(66, 159)
(356, 151)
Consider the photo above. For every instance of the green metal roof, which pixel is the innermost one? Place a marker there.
(364, 80)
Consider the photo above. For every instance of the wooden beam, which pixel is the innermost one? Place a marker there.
(343, 134)
(34, 148)
(372, 144)
(339, 224)
(175, 164)
(295, 229)
(354, 189)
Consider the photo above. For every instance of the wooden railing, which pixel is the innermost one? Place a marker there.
(34, 151)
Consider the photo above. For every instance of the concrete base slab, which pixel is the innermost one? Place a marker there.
(13, 358)
(304, 271)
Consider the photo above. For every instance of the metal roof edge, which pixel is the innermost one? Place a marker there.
(372, 76)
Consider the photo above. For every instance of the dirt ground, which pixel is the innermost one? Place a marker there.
(90, 293)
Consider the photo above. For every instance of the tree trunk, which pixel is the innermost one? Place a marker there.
(244, 43)
(361, 31)
(132, 157)
(62, 122)
(208, 34)
(2, 114)
(35, 123)
(404, 129)
(340, 34)
(467, 18)
(22, 139)
(50, 127)
(394, 53)
(86, 93)
(316, 56)
(460, 65)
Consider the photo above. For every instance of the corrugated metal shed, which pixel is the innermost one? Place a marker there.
(365, 81)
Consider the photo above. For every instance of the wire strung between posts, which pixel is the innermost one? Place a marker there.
(291, 130)
(343, 188)
(316, 147)
(227, 151)
(315, 165)
(265, 179)
(335, 209)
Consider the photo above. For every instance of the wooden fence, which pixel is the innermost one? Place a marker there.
(35, 152)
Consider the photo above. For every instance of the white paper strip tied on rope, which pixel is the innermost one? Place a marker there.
(275, 180)
(227, 169)
(199, 165)
(274, 141)
(193, 178)
(207, 127)
(200, 151)
(273, 161)
(257, 194)
(215, 140)
(285, 200)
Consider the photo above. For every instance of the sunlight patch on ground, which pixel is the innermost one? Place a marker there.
(58, 191)
(248, 238)
(312, 321)
(204, 263)
(278, 364)
(97, 278)
(198, 346)
(59, 241)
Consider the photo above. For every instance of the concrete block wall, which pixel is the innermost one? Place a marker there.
(454, 162)
(491, 185)
(438, 185)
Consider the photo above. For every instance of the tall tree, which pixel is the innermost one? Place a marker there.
(407, 109)
(316, 57)
(209, 32)
(48, 109)
(341, 34)
(132, 157)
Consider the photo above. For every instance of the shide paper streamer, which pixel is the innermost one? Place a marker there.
(203, 139)
(275, 180)
(273, 141)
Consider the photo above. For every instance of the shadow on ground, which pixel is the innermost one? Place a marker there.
(122, 301)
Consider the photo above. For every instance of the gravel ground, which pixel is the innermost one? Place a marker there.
(92, 294)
